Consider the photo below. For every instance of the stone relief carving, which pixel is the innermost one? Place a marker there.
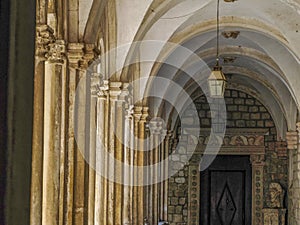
(44, 37)
(56, 53)
(236, 140)
(276, 195)
(231, 34)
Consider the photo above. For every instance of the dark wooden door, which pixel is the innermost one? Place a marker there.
(226, 192)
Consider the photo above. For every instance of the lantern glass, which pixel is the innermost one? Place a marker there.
(217, 83)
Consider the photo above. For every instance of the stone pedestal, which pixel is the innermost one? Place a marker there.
(274, 216)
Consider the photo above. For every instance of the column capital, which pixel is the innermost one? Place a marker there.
(145, 114)
(75, 54)
(44, 37)
(96, 83)
(80, 55)
(57, 51)
(90, 53)
(156, 127)
(125, 93)
(138, 112)
(115, 90)
(103, 90)
(292, 140)
(129, 112)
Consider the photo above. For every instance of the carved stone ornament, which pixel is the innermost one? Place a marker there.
(103, 89)
(44, 37)
(96, 83)
(276, 196)
(274, 216)
(56, 53)
(236, 140)
(80, 55)
(230, 34)
(229, 59)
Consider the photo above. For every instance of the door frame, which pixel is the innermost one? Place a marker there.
(235, 164)
(249, 142)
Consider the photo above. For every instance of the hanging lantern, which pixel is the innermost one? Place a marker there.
(217, 83)
(217, 80)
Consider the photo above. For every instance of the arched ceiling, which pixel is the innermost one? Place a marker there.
(265, 54)
(266, 46)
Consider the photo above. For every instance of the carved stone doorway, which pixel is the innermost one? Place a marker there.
(225, 193)
(248, 142)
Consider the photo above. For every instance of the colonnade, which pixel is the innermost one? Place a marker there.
(73, 131)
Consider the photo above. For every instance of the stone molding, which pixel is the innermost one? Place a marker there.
(80, 55)
(238, 144)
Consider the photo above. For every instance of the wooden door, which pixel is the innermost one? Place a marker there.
(226, 192)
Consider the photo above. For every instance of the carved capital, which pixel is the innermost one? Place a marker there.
(124, 96)
(75, 54)
(145, 114)
(44, 37)
(96, 82)
(257, 160)
(103, 90)
(115, 90)
(156, 127)
(90, 54)
(56, 53)
(129, 112)
(138, 111)
(292, 140)
(80, 55)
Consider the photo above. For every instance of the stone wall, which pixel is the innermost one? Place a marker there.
(243, 111)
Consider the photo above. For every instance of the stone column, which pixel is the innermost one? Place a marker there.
(76, 170)
(156, 133)
(50, 58)
(141, 154)
(292, 145)
(101, 146)
(135, 157)
(113, 209)
(165, 188)
(120, 150)
(44, 36)
(75, 54)
(128, 133)
(258, 163)
(52, 134)
(94, 84)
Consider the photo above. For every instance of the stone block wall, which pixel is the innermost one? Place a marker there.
(243, 111)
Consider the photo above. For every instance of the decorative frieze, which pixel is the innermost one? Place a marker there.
(236, 140)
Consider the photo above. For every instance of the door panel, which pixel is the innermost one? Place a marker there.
(226, 192)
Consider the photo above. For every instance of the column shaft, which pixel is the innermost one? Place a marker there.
(37, 145)
(51, 144)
